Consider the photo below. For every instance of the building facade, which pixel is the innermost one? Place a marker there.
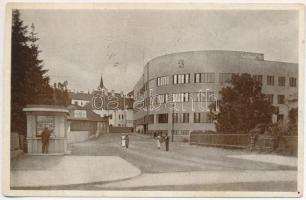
(175, 90)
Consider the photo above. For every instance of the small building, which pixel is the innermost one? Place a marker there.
(80, 98)
(50, 116)
(107, 103)
(84, 124)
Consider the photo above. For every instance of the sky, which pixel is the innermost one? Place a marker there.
(81, 45)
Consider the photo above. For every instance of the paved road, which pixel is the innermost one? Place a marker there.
(219, 167)
(181, 157)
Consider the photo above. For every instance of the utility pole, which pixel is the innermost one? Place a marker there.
(172, 130)
(148, 97)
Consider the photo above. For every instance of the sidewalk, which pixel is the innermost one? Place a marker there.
(36, 171)
(203, 178)
(268, 158)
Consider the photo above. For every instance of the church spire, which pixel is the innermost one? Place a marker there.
(101, 82)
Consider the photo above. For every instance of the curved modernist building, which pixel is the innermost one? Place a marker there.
(193, 80)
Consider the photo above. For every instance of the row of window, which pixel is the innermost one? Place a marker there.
(120, 116)
(280, 98)
(223, 77)
(201, 117)
(185, 97)
(208, 96)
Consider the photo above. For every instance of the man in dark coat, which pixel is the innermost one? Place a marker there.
(167, 142)
(45, 137)
(127, 140)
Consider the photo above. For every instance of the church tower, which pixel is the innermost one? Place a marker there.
(102, 88)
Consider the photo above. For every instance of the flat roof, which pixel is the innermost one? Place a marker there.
(45, 108)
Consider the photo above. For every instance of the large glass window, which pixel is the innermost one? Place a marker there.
(281, 81)
(181, 78)
(164, 80)
(201, 117)
(292, 82)
(161, 98)
(162, 118)
(180, 97)
(45, 121)
(204, 78)
(180, 117)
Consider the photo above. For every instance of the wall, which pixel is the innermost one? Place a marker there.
(119, 118)
(77, 136)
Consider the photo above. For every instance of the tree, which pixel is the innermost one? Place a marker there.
(18, 54)
(242, 105)
(29, 80)
(293, 121)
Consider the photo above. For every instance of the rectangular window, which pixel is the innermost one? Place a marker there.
(202, 117)
(181, 78)
(270, 98)
(196, 117)
(204, 77)
(281, 99)
(164, 80)
(225, 77)
(258, 78)
(179, 97)
(174, 79)
(180, 117)
(197, 78)
(270, 80)
(45, 121)
(281, 81)
(162, 118)
(292, 82)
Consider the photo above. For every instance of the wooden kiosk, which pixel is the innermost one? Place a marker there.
(52, 117)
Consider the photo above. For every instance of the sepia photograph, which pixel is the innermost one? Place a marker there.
(164, 100)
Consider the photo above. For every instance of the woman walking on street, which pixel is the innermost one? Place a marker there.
(158, 141)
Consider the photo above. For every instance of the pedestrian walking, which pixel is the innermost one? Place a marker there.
(123, 141)
(158, 138)
(167, 142)
(127, 140)
(45, 137)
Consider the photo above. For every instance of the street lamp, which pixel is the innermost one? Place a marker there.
(172, 130)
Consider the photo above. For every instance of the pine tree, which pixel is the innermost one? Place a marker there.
(242, 105)
(18, 53)
(29, 80)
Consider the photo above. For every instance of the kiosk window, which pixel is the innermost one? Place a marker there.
(44, 121)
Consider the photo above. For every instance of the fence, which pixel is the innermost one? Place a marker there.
(113, 129)
(223, 140)
(287, 145)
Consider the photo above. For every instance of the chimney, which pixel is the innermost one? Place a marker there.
(113, 92)
(121, 93)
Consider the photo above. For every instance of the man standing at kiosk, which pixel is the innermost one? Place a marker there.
(45, 137)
